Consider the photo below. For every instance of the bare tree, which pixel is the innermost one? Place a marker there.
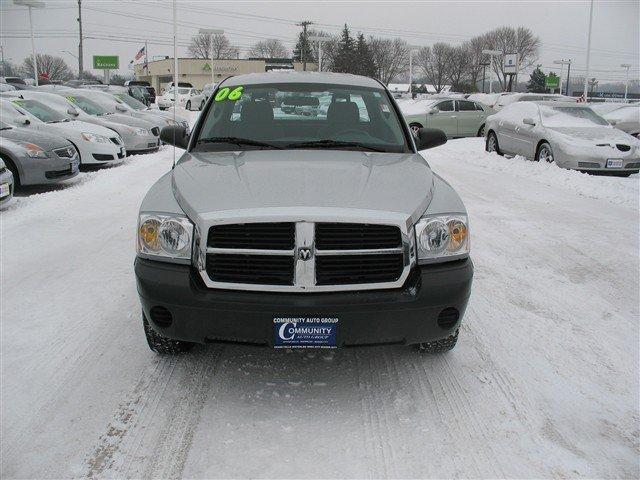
(459, 60)
(390, 56)
(510, 40)
(269, 48)
(475, 47)
(55, 68)
(201, 46)
(434, 62)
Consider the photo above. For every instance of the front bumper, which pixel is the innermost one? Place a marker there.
(42, 171)
(6, 178)
(140, 143)
(583, 160)
(403, 316)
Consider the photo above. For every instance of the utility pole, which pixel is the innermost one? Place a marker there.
(303, 53)
(626, 84)
(80, 43)
(568, 77)
(586, 74)
(30, 4)
(484, 74)
(491, 53)
(320, 40)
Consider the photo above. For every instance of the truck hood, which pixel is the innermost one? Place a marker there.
(215, 182)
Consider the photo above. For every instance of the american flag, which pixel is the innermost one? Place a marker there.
(139, 54)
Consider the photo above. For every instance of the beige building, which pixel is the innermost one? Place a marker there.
(198, 72)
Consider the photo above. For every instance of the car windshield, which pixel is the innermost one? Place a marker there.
(305, 115)
(86, 105)
(40, 110)
(129, 100)
(570, 117)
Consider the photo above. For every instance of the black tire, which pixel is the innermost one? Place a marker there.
(481, 131)
(544, 153)
(492, 147)
(188, 105)
(161, 344)
(14, 171)
(439, 346)
(414, 127)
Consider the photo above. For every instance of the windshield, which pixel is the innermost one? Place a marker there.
(129, 100)
(86, 105)
(304, 115)
(40, 111)
(570, 117)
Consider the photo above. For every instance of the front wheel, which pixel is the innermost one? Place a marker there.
(481, 131)
(439, 346)
(161, 344)
(545, 153)
(492, 144)
(188, 105)
(414, 128)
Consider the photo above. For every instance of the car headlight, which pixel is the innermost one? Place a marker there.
(185, 124)
(33, 150)
(165, 237)
(141, 131)
(170, 122)
(94, 138)
(442, 237)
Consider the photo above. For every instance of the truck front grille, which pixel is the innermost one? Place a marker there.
(305, 256)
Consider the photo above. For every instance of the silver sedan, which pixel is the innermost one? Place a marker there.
(571, 135)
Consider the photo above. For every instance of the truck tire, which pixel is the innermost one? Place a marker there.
(439, 346)
(163, 345)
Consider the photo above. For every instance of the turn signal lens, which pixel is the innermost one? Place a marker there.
(148, 234)
(457, 235)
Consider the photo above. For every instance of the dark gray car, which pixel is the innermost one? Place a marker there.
(296, 231)
(37, 158)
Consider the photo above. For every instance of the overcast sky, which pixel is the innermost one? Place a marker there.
(123, 26)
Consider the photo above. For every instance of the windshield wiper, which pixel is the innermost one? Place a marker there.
(333, 144)
(238, 141)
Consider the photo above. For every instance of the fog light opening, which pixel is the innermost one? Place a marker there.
(161, 317)
(448, 318)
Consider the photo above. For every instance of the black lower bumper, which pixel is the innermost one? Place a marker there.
(428, 307)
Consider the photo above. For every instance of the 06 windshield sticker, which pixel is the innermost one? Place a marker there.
(227, 93)
(19, 103)
(71, 99)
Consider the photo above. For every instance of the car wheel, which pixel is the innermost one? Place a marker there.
(492, 144)
(415, 127)
(439, 346)
(14, 171)
(188, 106)
(202, 105)
(545, 154)
(481, 131)
(161, 344)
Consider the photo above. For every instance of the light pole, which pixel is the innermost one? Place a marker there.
(491, 53)
(626, 83)
(211, 32)
(562, 63)
(31, 4)
(586, 74)
(320, 41)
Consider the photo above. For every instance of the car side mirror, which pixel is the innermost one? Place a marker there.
(434, 110)
(613, 122)
(22, 121)
(175, 135)
(529, 121)
(73, 112)
(120, 108)
(430, 138)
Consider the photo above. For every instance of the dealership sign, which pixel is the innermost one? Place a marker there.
(551, 81)
(510, 65)
(106, 62)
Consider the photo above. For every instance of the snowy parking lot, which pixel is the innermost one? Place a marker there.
(543, 382)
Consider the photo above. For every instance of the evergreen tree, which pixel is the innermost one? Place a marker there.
(536, 81)
(363, 58)
(343, 61)
(309, 52)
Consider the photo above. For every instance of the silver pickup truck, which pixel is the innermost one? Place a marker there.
(290, 231)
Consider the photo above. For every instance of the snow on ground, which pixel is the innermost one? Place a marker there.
(543, 383)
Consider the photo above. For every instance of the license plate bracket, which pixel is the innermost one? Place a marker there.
(305, 332)
(614, 163)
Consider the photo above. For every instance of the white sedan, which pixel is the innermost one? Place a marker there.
(184, 95)
(96, 145)
(570, 135)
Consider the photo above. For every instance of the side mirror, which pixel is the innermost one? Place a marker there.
(529, 121)
(434, 110)
(22, 121)
(175, 135)
(72, 111)
(120, 108)
(430, 138)
(613, 122)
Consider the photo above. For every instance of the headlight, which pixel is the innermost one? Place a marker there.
(165, 237)
(92, 137)
(33, 150)
(170, 122)
(141, 131)
(442, 237)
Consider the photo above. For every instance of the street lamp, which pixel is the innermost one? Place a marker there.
(562, 63)
(69, 53)
(585, 92)
(626, 84)
(31, 4)
(411, 50)
(492, 53)
(320, 41)
(211, 32)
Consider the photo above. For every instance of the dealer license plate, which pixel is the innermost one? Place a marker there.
(4, 190)
(614, 163)
(305, 332)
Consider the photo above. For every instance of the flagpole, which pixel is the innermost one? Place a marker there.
(146, 57)
(175, 70)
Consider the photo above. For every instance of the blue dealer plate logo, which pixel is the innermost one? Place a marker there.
(305, 332)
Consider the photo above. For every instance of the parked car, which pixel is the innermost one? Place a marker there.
(196, 102)
(96, 145)
(6, 87)
(36, 158)
(569, 134)
(456, 118)
(13, 80)
(508, 98)
(184, 95)
(6, 184)
(623, 116)
(139, 136)
(487, 99)
(118, 101)
(325, 232)
(144, 87)
(306, 105)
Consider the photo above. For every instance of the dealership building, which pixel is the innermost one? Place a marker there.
(198, 72)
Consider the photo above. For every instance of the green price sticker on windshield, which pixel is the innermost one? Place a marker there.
(71, 99)
(227, 94)
(19, 103)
